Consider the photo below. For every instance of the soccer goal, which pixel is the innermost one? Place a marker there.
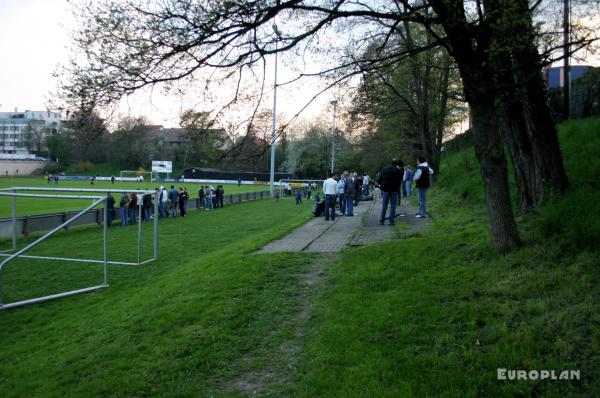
(135, 175)
(98, 198)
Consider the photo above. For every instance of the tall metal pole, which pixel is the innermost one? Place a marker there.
(14, 221)
(566, 71)
(334, 103)
(105, 235)
(272, 176)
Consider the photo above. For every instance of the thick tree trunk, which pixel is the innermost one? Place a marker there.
(490, 152)
(512, 127)
(527, 123)
(543, 136)
(479, 81)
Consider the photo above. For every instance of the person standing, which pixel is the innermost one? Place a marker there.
(173, 199)
(123, 208)
(183, 198)
(207, 200)
(341, 189)
(201, 198)
(162, 202)
(408, 180)
(357, 187)
(349, 194)
(110, 207)
(220, 192)
(422, 182)
(132, 207)
(329, 190)
(389, 182)
(146, 206)
(298, 197)
(365, 184)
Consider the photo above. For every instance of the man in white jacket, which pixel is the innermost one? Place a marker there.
(329, 190)
(423, 182)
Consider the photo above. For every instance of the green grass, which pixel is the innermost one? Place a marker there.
(168, 329)
(438, 315)
(431, 315)
(30, 206)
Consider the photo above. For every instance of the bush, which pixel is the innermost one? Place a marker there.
(84, 167)
(53, 168)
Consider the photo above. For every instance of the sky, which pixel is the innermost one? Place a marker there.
(34, 39)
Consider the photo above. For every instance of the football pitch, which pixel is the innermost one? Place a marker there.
(32, 206)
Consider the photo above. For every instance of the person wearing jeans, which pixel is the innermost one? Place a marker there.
(329, 190)
(389, 181)
(123, 209)
(387, 198)
(422, 181)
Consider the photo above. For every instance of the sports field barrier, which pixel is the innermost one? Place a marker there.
(45, 222)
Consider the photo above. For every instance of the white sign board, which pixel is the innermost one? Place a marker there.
(162, 166)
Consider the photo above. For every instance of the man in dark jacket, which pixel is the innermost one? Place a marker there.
(110, 205)
(390, 179)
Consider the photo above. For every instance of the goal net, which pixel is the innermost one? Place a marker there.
(135, 175)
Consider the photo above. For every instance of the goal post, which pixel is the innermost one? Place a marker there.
(97, 200)
(136, 175)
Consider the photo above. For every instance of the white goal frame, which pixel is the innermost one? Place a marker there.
(137, 174)
(97, 199)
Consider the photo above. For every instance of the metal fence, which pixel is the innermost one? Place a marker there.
(27, 225)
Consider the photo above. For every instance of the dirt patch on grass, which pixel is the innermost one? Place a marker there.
(270, 369)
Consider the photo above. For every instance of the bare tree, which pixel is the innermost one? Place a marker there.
(134, 44)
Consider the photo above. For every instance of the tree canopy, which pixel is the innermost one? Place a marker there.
(498, 46)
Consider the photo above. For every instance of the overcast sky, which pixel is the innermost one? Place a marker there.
(32, 42)
(34, 39)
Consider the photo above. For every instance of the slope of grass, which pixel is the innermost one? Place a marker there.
(168, 329)
(436, 314)
(439, 314)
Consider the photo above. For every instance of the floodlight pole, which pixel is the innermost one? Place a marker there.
(334, 103)
(14, 221)
(272, 175)
(105, 233)
(566, 69)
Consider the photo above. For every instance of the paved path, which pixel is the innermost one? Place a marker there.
(318, 235)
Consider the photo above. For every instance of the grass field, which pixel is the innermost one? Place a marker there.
(432, 315)
(30, 206)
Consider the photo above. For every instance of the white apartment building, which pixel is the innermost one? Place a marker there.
(18, 129)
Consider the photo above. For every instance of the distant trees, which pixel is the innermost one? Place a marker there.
(133, 44)
(34, 134)
(130, 144)
(88, 134)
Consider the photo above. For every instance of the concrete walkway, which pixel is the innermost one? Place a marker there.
(318, 235)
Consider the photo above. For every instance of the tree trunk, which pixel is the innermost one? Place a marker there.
(527, 124)
(543, 136)
(490, 152)
(512, 127)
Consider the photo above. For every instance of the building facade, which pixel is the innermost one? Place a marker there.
(23, 134)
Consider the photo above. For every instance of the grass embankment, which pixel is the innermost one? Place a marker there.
(173, 328)
(431, 315)
(437, 315)
(30, 206)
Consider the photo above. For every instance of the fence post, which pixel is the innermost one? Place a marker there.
(26, 227)
(65, 217)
